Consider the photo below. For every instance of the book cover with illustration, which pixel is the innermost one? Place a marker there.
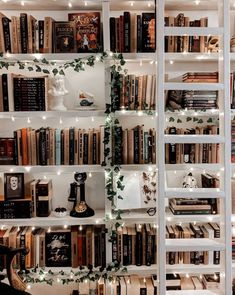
(87, 30)
(64, 37)
(58, 248)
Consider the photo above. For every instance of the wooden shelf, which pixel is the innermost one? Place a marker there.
(193, 245)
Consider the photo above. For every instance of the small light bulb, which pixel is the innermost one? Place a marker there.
(61, 122)
(97, 58)
(197, 2)
(97, 221)
(28, 287)
(76, 119)
(80, 227)
(187, 275)
(44, 177)
(70, 4)
(150, 169)
(58, 172)
(12, 119)
(11, 170)
(65, 226)
(22, 3)
(44, 117)
(171, 62)
(132, 3)
(85, 3)
(141, 63)
(140, 113)
(92, 119)
(90, 174)
(151, 62)
(149, 4)
(58, 280)
(49, 230)
(28, 121)
(7, 55)
(144, 280)
(33, 227)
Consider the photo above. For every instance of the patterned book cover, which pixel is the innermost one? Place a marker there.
(87, 30)
(58, 248)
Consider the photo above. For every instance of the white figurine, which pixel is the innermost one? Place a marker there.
(57, 91)
(85, 100)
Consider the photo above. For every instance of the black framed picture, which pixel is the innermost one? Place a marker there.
(13, 186)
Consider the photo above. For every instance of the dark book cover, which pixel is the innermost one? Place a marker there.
(196, 39)
(127, 31)
(112, 26)
(5, 93)
(103, 247)
(139, 248)
(149, 253)
(15, 148)
(87, 30)
(85, 148)
(148, 32)
(94, 149)
(41, 35)
(64, 37)
(114, 247)
(71, 146)
(42, 147)
(7, 151)
(125, 249)
(6, 33)
(139, 33)
(24, 32)
(136, 145)
(129, 244)
(58, 248)
(118, 155)
(172, 147)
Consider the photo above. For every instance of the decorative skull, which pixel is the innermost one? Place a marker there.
(189, 181)
(213, 44)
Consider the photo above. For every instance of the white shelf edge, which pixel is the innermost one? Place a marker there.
(194, 113)
(193, 245)
(194, 193)
(191, 292)
(171, 218)
(193, 86)
(192, 268)
(193, 31)
(193, 166)
(193, 138)
(98, 218)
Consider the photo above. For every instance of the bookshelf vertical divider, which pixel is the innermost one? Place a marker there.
(161, 250)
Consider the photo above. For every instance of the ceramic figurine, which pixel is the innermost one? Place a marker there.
(85, 100)
(57, 91)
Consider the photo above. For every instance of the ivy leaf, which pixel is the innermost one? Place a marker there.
(120, 197)
(61, 72)
(171, 119)
(30, 69)
(55, 71)
(188, 119)
(179, 121)
(45, 71)
(200, 121)
(210, 120)
(195, 119)
(1, 54)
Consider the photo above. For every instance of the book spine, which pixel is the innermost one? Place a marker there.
(85, 149)
(5, 92)
(136, 146)
(139, 249)
(71, 146)
(139, 33)
(125, 250)
(112, 34)
(114, 247)
(41, 35)
(24, 32)
(58, 146)
(6, 32)
(127, 32)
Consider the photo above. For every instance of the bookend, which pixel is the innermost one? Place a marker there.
(80, 209)
(17, 286)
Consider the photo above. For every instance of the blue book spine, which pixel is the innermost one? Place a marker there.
(58, 146)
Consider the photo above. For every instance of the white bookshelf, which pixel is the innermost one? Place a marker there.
(157, 118)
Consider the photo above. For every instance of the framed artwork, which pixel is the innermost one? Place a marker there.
(13, 186)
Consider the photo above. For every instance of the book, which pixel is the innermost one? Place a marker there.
(87, 30)
(64, 37)
(148, 32)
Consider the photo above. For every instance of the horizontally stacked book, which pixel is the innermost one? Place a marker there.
(186, 43)
(193, 231)
(134, 146)
(74, 247)
(50, 146)
(21, 93)
(136, 92)
(25, 34)
(192, 153)
(133, 33)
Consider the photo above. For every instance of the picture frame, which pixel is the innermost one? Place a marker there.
(13, 186)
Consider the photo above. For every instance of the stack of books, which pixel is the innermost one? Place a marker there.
(133, 33)
(134, 146)
(193, 231)
(201, 77)
(50, 146)
(199, 100)
(193, 153)
(136, 92)
(186, 43)
(135, 245)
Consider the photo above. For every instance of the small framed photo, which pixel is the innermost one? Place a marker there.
(13, 186)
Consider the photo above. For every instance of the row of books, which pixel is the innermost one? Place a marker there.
(191, 99)
(133, 33)
(136, 92)
(22, 93)
(135, 245)
(233, 141)
(24, 34)
(133, 284)
(206, 230)
(57, 247)
(134, 146)
(193, 153)
(50, 146)
(186, 43)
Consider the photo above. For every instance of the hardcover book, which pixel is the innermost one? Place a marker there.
(58, 248)
(148, 32)
(64, 37)
(87, 30)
